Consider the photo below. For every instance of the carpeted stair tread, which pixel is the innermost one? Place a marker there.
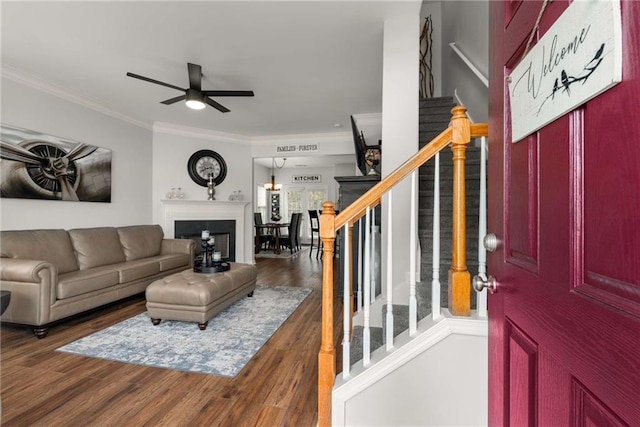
(355, 350)
(401, 315)
(441, 101)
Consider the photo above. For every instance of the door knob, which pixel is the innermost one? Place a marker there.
(480, 283)
(490, 242)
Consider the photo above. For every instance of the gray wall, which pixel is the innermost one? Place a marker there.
(131, 146)
(466, 23)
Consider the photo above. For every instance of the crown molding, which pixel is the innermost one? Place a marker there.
(26, 79)
(303, 137)
(188, 131)
(368, 118)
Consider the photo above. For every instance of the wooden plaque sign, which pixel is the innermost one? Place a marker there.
(578, 58)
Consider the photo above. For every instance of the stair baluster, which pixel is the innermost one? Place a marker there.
(366, 332)
(389, 232)
(435, 282)
(413, 231)
(347, 301)
(360, 263)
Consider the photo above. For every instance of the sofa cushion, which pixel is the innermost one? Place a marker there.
(140, 241)
(85, 281)
(53, 246)
(134, 270)
(95, 247)
(171, 261)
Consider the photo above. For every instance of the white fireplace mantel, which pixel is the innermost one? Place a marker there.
(185, 210)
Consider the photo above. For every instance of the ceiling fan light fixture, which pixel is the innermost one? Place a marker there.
(194, 96)
(195, 100)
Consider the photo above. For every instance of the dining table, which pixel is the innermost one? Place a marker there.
(272, 228)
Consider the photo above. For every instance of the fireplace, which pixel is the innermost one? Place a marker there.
(219, 217)
(223, 231)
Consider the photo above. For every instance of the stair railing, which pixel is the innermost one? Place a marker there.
(458, 135)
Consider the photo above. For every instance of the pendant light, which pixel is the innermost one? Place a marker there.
(273, 186)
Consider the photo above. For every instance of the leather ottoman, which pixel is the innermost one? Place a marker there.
(197, 297)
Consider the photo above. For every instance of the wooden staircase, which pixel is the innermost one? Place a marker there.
(434, 118)
(456, 138)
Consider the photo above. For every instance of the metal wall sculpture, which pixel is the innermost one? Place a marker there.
(427, 85)
(39, 166)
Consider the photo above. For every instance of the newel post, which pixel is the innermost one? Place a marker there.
(459, 278)
(326, 357)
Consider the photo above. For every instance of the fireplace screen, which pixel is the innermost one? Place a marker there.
(223, 232)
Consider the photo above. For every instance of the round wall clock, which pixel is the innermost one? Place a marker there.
(205, 163)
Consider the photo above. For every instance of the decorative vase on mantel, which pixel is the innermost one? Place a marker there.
(175, 193)
(236, 196)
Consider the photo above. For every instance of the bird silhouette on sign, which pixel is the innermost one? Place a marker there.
(567, 80)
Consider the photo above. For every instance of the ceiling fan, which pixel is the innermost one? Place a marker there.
(196, 97)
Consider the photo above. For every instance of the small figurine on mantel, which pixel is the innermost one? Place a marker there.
(211, 190)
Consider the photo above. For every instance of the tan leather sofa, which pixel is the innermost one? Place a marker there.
(53, 274)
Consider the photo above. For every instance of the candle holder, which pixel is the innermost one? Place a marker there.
(210, 261)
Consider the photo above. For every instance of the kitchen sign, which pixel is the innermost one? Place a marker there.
(307, 178)
(578, 58)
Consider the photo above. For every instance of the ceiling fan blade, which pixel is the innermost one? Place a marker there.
(195, 76)
(174, 100)
(147, 79)
(217, 106)
(227, 93)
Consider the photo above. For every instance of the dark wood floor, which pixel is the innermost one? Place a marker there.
(42, 387)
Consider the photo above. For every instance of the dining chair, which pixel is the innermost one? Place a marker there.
(265, 239)
(314, 221)
(288, 240)
(298, 227)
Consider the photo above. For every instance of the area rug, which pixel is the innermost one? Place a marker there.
(232, 338)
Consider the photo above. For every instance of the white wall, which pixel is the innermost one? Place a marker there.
(330, 143)
(467, 24)
(347, 169)
(428, 390)
(172, 147)
(146, 163)
(285, 177)
(399, 132)
(338, 143)
(30, 108)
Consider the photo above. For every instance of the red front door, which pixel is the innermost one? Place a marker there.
(564, 324)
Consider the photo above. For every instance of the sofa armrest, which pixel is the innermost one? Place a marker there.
(177, 246)
(25, 270)
(33, 289)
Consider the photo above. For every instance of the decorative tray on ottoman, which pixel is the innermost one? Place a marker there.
(212, 268)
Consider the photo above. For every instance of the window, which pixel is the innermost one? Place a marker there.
(294, 200)
(303, 199)
(315, 198)
(261, 202)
